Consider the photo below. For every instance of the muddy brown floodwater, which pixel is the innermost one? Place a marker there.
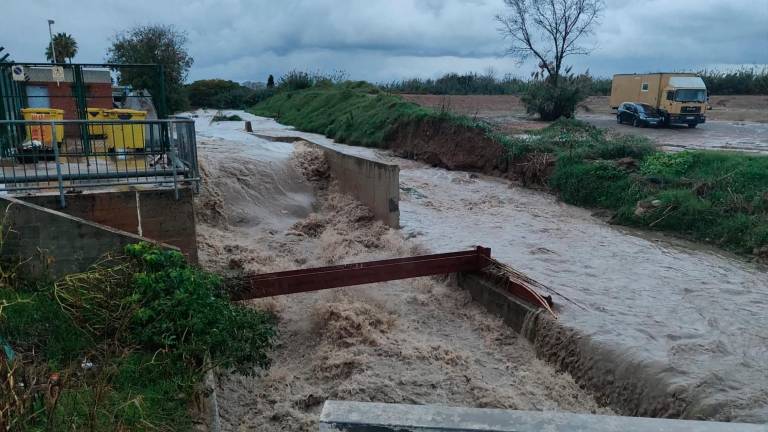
(418, 341)
(695, 316)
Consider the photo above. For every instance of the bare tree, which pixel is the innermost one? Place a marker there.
(549, 30)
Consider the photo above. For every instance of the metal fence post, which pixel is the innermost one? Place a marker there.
(55, 145)
(172, 155)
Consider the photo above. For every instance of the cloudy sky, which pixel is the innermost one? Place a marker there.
(383, 40)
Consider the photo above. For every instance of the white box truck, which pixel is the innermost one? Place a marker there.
(681, 98)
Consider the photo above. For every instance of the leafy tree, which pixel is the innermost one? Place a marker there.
(207, 93)
(160, 44)
(271, 82)
(65, 46)
(549, 31)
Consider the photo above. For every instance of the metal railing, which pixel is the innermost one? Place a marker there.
(70, 155)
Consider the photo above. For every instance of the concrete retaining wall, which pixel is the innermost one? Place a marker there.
(338, 416)
(48, 242)
(151, 213)
(626, 384)
(375, 184)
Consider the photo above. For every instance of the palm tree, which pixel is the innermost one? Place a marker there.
(65, 45)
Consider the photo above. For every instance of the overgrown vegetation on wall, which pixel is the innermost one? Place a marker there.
(124, 346)
(716, 197)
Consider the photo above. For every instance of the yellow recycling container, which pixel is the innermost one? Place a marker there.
(125, 136)
(94, 115)
(43, 133)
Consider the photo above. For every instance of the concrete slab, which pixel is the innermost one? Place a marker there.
(340, 416)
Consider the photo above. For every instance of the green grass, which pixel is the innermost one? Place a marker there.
(355, 113)
(151, 326)
(715, 197)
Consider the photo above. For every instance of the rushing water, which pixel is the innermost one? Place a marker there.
(701, 314)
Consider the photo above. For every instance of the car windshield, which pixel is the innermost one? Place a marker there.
(647, 109)
(691, 95)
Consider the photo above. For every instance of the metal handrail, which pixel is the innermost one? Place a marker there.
(124, 152)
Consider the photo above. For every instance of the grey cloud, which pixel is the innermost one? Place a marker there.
(382, 40)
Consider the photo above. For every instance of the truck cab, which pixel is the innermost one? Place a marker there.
(684, 101)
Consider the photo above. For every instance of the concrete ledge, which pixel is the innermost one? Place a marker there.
(340, 416)
(375, 184)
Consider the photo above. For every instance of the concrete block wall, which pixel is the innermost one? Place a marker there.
(151, 213)
(48, 242)
(375, 184)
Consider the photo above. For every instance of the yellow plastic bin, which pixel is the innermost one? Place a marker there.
(98, 114)
(126, 136)
(43, 133)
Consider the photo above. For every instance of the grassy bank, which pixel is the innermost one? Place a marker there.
(124, 346)
(715, 197)
(355, 113)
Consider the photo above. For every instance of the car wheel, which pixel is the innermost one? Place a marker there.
(618, 119)
(635, 123)
(692, 125)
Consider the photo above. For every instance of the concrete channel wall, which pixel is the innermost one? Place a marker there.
(338, 416)
(46, 242)
(630, 387)
(151, 213)
(375, 184)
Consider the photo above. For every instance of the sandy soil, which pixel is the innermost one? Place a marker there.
(417, 341)
(734, 123)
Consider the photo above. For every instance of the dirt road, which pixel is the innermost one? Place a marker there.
(735, 123)
(419, 341)
(713, 135)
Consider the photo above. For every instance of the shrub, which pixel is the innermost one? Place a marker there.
(300, 80)
(483, 84)
(593, 184)
(552, 101)
(218, 93)
(296, 80)
(260, 95)
(667, 165)
(744, 81)
(183, 311)
(149, 324)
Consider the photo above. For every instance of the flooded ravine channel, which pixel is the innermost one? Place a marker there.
(697, 315)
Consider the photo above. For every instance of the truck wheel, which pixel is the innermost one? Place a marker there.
(692, 125)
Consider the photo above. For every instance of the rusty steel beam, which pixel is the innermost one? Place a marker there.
(315, 279)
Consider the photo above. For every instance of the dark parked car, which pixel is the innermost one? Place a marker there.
(638, 115)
